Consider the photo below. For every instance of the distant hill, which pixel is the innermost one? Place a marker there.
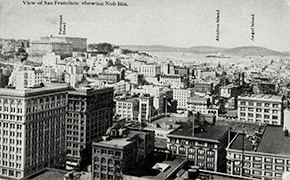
(240, 51)
(252, 51)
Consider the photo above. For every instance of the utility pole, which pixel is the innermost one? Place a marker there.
(243, 149)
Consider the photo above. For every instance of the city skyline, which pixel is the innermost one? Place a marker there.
(171, 23)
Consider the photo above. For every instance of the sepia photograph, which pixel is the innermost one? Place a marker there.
(144, 89)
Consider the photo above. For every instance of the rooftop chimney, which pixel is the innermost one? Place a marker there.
(286, 132)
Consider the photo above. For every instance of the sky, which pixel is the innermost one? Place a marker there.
(178, 23)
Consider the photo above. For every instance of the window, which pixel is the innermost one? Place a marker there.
(279, 161)
(275, 105)
(259, 104)
(267, 104)
(266, 116)
(243, 114)
(191, 150)
(257, 172)
(268, 160)
(181, 150)
(275, 117)
(259, 159)
(280, 168)
(255, 165)
(275, 111)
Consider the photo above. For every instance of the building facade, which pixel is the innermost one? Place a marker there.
(120, 152)
(264, 157)
(90, 114)
(203, 87)
(261, 109)
(203, 146)
(128, 108)
(151, 70)
(32, 126)
(182, 96)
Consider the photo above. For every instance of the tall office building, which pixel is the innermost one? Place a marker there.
(89, 115)
(32, 129)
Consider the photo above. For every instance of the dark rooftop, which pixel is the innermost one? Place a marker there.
(238, 143)
(274, 141)
(48, 174)
(214, 132)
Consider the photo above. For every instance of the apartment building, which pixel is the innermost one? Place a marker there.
(182, 96)
(128, 108)
(261, 108)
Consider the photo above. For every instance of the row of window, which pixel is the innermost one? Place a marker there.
(259, 116)
(107, 152)
(258, 110)
(259, 104)
(192, 142)
(261, 159)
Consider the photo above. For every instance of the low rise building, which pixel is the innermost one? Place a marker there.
(121, 152)
(266, 156)
(261, 108)
(198, 104)
(202, 145)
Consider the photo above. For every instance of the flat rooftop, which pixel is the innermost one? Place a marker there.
(119, 142)
(262, 97)
(238, 143)
(212, 132)
(273, 141)
(48, 174)
(48, 87)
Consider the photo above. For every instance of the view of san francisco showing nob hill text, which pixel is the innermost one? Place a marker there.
(144, 90)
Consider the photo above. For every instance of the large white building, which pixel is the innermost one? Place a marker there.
(198, 104)
(50, 59)
(128, 108)
(261, 109)
(175, 81)
(182, 96)
(150, 70)
(32, 126)
(26, 78)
